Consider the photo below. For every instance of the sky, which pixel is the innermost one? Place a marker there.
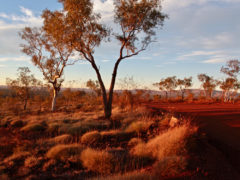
(199, 36)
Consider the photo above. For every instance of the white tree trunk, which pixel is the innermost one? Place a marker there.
(54, 100)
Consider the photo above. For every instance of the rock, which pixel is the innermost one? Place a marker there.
(174, 121)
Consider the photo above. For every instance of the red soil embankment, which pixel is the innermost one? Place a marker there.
(220, 122)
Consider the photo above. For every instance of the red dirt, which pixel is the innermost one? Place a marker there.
(220, 123)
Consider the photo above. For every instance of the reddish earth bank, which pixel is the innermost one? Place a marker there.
(221, 124)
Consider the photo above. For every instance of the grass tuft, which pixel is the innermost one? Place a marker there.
(91, 138)
(63, 152)
(98, 161)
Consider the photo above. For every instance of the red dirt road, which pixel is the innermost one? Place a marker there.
(220, 122)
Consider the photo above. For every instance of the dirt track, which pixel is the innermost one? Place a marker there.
(220, 122)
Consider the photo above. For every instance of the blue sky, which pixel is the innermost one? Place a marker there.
(199, 37)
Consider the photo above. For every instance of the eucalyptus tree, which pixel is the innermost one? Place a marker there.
(230, 85)
(50, 55)
(183, 84)
(167, 84)
(23, 85)
(209, 84)
(137, 20)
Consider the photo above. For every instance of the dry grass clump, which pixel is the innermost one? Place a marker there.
(4, 177)
(62, 139)
(91, 137)
(170, 143)
(129, 176)
(17, 156)
(35, 127)
(63, 152)
(116, 135)
(139, 126)
(53, 127)
(17, 123)
(98, 161)
(32, 161)
(82, 127)
(134, 142)
(170, 166)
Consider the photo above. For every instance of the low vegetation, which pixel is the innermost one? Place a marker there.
(56, 145)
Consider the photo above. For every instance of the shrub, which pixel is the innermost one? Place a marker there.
(17, 123)
(35, 127)
(62, 139)
(129, 176)
(32, 162)
(97, 161)
(91, 138)
(139, 126)
(169, 143)
(4, 177)
(116, 135)
(134, 142)
(170, 166)
(63, 152)
(17, 156)
(53, 127)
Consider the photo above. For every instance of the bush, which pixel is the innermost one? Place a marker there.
(116, 135)
(170, 166)
(63, 152)
(18, 156)
(91, 138)
(35, 127)
(98, 161)
(32, 162)
(139, 127)
(129, 176)
(62, 139)
(134, 142)
(170, 143)
(17, 123)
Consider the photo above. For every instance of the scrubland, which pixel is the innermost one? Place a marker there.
(134, 144)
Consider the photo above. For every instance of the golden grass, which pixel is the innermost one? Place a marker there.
(130, 176)
(32, 161)
(98, 161)
(62, 139)
(17, 156)
(169, 143)
(134, 142)
(63, 152)
(91, 137)
(139, 127)
(35, 127)
(170, 166)
(17, 123)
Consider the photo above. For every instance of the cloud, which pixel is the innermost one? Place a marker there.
(105, 8)
(19, 58)
(214, 61)
(10, 25)
(106, 60)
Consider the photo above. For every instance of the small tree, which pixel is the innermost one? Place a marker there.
(231, 69)
(94, 86)
(183, 84)
(50, 55)
(137, 22)
(229, 86)
(208, 83)
(168, 85)
(23, 85)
